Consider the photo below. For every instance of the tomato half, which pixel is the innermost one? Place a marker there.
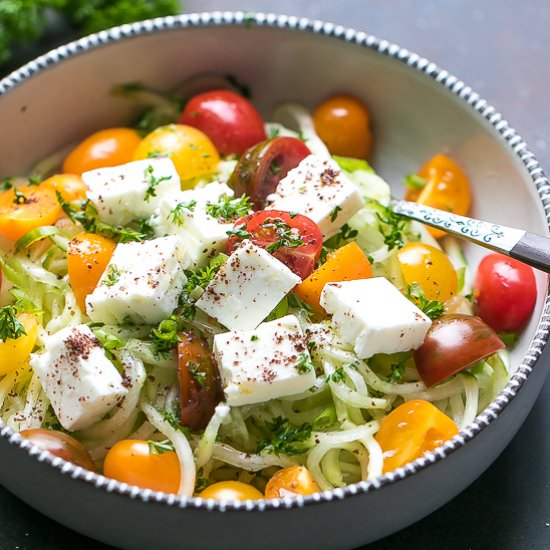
(294, 480)
(135, 462)
(454, 343)
(16, 351)
(228, 119)
(412, 429)
(343, 123)
(293, 239)
(199, 381)
(262, 167)
(62, 445)
(505, 293)
(231, 490)
(70, 186)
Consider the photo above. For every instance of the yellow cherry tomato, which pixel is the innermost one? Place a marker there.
(231, 490)
(191, 151)
(25, 208)
(132, 461)
(294, 480)
(108, 147)
(70, 186)
(14, 352)
(343, 123)
(412, 429)
(87, 257)
(447, 188)
(430, 268)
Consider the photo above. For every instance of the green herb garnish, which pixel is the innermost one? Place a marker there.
(229, 209)
(152, 183)
(176, 216)
(283, 437)
(113, 276)
(284, 235)
(304, 363)
(10, 326)
(432, 308)
(160, 447)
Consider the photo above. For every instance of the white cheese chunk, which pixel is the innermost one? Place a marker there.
(374, 316)
(247, 288)
(266, 363)
(318, 189)
(185, 214)
(81, 383)
(142, 283)
(130, 191)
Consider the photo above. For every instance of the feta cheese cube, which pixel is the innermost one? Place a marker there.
(81, 383)
(130, 191)
(318, 189)
(247, 288)
(185, 214)
(266, 363)
(374, 316)
(142, 282)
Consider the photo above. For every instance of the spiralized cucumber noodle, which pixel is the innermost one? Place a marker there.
(337, 418)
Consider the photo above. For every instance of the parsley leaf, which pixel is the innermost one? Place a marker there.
(432, 308)
(198, 375)
(284, 235)
(391, 226)
(113, 276)
(160, 447)
(228, 209)
(10, 326)
(283, 437)
(165, 337)
(304, 363)
(176, 215)
(20, 198)
(152, 183)
(172, 419)
(239, 232)
(338, 376)
(334, 212)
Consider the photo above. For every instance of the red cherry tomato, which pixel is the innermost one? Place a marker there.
(229, 120)
(292, 238)
(263, 166)
(454, 343)
(505, 291)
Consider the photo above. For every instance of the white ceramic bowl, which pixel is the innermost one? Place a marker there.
(418, 109)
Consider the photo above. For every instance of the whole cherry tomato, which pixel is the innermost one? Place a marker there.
(293, 239)
(70, 186)
(454, 343)
(199, 381)
(108, 147)
(412, 429)
(294, 480)
(62, 445)
(263, 166)
(231, 490)
(343, 123)
(505, 293)
(228, 119)
(139, 463)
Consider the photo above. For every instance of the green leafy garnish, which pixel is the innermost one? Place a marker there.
(273, 132)
(228, 209)
(284, 235)
(334, 213)
(20, 198)
(414, 182)
(113, 276)
(343, 237)
(432, 308)
(152, 183)
(176, 215)
(172, 418)
(10, 326)
(338, 376)
(391, 226)
(509, 338)
(160, 447)
(198, 375)
(283, 437)
(239, 232)
(165, 336)
(304, 363)
(6, 184)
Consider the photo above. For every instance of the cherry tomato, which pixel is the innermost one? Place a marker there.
(228, 119)
(25, 208)
(231, 490)
(412, 429)
(269, 229)
(192, 153)
(430, 268)
(447, 188)
(199, 381)
(108, 147)
(505, 292)
(135, 462)
(454, 343)
(262, 167)
(62, 445)
(342, 122)
(16, 351)
(294, 480)
(70, 186)
(87, 257)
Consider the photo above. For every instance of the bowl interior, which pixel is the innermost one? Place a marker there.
(413, 116)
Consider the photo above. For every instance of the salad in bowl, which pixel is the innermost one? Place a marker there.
(209, 304)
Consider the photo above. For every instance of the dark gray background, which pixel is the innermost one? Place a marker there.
(500, 48)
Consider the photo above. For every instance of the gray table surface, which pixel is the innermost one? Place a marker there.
(499, 47)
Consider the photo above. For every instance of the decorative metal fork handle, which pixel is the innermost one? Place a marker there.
(528, 248)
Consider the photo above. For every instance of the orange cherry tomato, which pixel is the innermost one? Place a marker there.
(430, 268)
(70, 186)
(133, 461)
(412, 429)
(191, 151)
(25, 208)
(447, 188)
(87, 257)
(231, 490)
(16, 351)
(294, 480)
(61, 445)
(342, 122)
(108, 147)
(348, 263)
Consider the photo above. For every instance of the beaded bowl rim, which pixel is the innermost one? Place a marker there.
(423, 66)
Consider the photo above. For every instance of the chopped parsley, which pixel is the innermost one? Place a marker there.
(172, 418)
(6, 184)
(20, 198)
(283, 437)
(334, 212)
(414, 182)
(165, 337)
(152, 183)
(397, 370)
(176, 216)
(284, 235)
(229, 209)
(391, 226)
(304, 363)
(198, 375)
(432, 308)
(343, 237)
(338, 376)
(273, 132)
(160, 447)
(10, 326)
(254, 338)
(113, 276)
(239, 232)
